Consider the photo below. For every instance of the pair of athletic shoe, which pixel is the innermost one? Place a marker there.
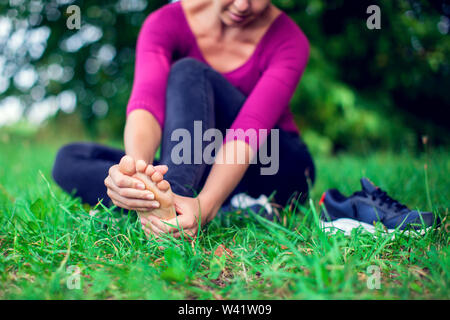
(362, 209)
(366, 207)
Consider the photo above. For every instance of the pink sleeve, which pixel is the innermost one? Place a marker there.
(155, 45)
(272, 93)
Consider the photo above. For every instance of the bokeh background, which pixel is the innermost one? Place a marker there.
(362, 90)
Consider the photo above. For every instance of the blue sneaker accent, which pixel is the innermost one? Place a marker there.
(369, 206)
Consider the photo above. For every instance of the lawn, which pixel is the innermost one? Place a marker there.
(46, 237)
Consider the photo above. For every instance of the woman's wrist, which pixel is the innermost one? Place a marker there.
(142, 135)
(208, 207)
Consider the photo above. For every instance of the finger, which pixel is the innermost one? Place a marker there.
(155, 234)
(156, 222)
(161, 225)
(123, 181)
(178, 223)
(129, 192)
(150, 228)
(151, 235)
(190, 233)
(135, 204)
(146, 224)
(120, 204)
(177, 234)
(149, 232)
(123, 205)
(135, 194)
(108, 181)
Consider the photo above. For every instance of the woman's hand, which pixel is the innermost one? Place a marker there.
(190, 219)
(128, 192)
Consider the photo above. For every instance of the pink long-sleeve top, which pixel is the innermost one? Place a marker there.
(268, 78)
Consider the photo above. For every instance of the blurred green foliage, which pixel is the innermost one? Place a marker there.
(362, 88)
(374, 88)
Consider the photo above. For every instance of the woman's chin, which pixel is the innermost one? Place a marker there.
(229, 22)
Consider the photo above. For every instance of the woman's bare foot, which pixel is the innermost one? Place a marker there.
(153, 181)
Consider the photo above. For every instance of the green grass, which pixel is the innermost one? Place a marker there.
(44, 234)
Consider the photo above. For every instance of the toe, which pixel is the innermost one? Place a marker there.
(157, 177)
(163, 185)
(127, 165)
(141, 166)
(162, 168)
(150, 170)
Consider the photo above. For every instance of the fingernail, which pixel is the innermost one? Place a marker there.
(156, 205)
(150, 196)
(141, 186)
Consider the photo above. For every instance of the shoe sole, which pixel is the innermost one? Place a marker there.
(347, 225)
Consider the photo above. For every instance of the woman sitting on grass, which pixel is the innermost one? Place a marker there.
(226, 64)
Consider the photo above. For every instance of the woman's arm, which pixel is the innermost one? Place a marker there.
(157, 40)
(142, 135)
(155, 45)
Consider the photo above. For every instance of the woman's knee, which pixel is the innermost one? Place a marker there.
(187, 65)
(186, 72)
(63, 160)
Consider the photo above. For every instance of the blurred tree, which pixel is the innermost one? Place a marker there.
(96, 63)
(374, 87)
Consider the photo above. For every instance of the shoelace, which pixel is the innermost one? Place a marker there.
(242, 200)
(385, 198)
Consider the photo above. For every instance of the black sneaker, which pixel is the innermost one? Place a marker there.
(364, 208)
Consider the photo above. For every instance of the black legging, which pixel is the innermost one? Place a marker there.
(84, 166)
